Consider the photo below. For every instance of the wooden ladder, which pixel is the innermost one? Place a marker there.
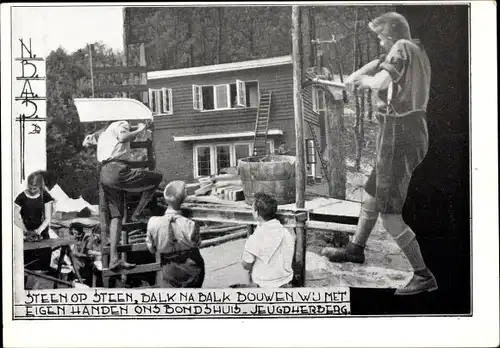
(124, 247)
(318, 152)
(262, 125)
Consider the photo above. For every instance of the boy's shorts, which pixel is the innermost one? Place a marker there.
(118, 178)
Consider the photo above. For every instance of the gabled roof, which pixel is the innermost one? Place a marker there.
(217, 68)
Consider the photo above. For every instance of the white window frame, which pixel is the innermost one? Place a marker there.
(312, 165)
(213, 154)
(258, 93)
(241, 93)
(231, 151)
(195, 160)
(315, 99)
(162, 93)
(240, 143)
(240, 96)
(228, 96)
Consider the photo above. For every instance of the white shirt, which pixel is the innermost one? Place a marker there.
(109, 145)
(270, 248)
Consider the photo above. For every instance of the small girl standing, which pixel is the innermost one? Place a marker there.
(32, 214)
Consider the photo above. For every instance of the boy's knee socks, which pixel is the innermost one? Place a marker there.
(367, 220)
(407, 241)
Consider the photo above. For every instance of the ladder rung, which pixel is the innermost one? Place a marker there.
(149, 267)
(135, 225)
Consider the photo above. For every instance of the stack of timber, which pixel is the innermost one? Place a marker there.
(223, 186)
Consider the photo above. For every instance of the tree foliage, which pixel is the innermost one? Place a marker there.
(68, 77)
(182, 37)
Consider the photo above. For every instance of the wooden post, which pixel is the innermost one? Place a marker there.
(144, 76)
(297, 104)
(335, 137)
(300, 170)
(357, 93)
(125, 48)
(369, 96)
(312, 35)
(91, 70)
(104, 225)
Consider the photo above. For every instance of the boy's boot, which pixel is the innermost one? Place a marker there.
(423, 279)
(354, 251)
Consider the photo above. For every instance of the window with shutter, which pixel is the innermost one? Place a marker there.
(318, 99)
(241, 95)
(197, 101)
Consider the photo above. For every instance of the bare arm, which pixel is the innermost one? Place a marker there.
(48, 218)
(18, 221)
(381, 80)
(129, 136)
(150, 243)
(367, 69)
(246, 265)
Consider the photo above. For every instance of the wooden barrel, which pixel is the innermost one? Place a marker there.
(271, 174)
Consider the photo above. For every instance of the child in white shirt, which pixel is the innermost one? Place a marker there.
(269, 251)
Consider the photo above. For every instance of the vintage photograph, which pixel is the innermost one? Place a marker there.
(247, 146)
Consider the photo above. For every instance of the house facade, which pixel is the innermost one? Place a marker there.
(205, 117)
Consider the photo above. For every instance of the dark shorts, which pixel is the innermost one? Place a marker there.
(401, 146)
(118, 178)
(185, 271)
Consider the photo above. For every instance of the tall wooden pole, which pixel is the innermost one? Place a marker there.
(297, 104)
(300, 170)
(91, 70)
(312, 35)
(125, 48)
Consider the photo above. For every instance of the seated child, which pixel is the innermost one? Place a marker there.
(177, 238)
(269, 250)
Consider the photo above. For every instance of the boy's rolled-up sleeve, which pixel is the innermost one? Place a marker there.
(150, 232)
(122, 129)
(248, 256)
(396, 61)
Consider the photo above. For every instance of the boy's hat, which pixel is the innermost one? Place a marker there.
(175, 192)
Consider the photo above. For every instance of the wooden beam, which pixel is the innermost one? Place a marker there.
(128, 248)
(43, 276)
(122, 88)
(300, 169)
(219, 240)
(148, 267)
(140, 144)
(330, 226)
(243, 216)
(297, 103)
(335, 137)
